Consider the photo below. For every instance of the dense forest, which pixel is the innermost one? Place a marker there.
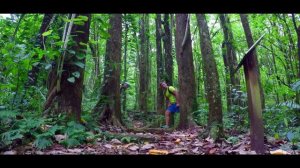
(63, 78)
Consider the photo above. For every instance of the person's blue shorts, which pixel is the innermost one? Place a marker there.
(173, 108)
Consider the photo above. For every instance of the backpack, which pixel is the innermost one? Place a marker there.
(170, 91)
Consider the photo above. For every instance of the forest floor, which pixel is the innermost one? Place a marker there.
(162, 142)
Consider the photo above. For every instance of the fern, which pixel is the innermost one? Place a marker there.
(42, 143)
(291, 105)
(30, 123)
(9, 136)
(70, 142)
(296, 86)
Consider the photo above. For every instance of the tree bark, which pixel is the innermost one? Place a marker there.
(297, 29)
(63, 95)
(167, 41)
(109, 104)
(159, 62)
(143, 66)
(230, 60)
(250, 42)
(211, 78)
(125, 63)
(186, 76)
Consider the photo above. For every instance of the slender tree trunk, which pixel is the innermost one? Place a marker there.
(250, 42)
(297, 29)
(148, 64)
(137, 66)
(159, 62)
(187, 85)
(212, 84)
(230, 60)
(18, 25)
(40, 42)
(143, 63)
(167, 39)
(125, 63)
(65, 91)
(109, 104)
(168, 58)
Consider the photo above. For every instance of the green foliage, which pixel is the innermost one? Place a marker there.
(76, 135)
(200, 116)
(128, 139)
(42, 131)
(296, 86)
(233, 139)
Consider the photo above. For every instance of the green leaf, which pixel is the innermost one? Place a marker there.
(80, 56)
(47, 33)
(80, 64)
(290, 136)
(76, 74)
(71, 79)
(286, 122)
(48, 66)
(35, 64)
(296, 86)
(84, 18)
(276, 136)
(72, 52)
(83, 44)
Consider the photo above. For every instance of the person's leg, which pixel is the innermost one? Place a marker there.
(167, 116)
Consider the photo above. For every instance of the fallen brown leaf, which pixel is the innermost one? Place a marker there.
(212, 151)
(157, 152)
(177, 141)
(279, 152)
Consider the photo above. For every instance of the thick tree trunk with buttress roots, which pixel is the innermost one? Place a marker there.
(66, 96)
(187, 84)
(211, 78)
(109, 104)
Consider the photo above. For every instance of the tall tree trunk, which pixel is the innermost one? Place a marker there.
(167, 39)
(136, 74)
(65, 89)
(297, 29)
(159, 97)
(186, 76)
(230, 60)
(109, 104)
(40, 42)
(125, 63)
(212, 84)
(148, 64)
(143, 63)
(168, 58)
(250, 42)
